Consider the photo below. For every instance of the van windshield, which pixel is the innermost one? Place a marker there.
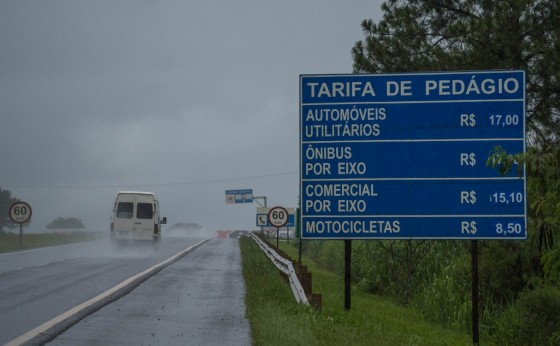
(144, 211)
(125, 210)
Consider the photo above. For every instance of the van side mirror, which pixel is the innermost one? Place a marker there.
(164, 220)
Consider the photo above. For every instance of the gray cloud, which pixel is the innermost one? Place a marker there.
(183, 98)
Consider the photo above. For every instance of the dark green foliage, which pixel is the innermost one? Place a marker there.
(6, 201)
(434, 35)
(450, 35)
(532, 320)
(276, 319)
(389, 267)
(328, 254)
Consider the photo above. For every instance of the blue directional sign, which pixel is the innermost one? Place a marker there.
(404, 156)
(239, 196)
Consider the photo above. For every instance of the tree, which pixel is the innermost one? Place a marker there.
(449, 35)
(6, 201)
(66, 223)
(432, 35)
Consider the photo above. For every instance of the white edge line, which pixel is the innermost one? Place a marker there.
(51, 323)
(34, 249)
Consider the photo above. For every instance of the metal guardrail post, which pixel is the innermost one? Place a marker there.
(286, 267)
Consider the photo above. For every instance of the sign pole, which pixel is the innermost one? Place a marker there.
(474, 269)
(347, 274)
(278, 217)
(298, 233)
(20, 212)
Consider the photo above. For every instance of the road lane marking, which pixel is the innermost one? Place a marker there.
(43, 328)
(32, 250)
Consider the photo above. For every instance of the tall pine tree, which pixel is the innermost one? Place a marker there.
(435, 35)
(454, 35)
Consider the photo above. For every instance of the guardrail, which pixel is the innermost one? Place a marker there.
(286, 267)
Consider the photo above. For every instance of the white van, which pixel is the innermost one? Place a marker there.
(136, 216)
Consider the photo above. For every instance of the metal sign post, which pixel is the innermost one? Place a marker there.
(298, 234)
(20, 212)
(347, 274)
(474, 291)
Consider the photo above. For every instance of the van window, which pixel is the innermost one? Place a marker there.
(125, 210)
(144, 211)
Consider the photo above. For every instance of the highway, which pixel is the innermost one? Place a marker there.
(195, 298)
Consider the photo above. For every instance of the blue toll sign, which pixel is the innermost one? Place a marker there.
(404, 156)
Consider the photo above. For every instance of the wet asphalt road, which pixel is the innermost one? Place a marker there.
(197, 300)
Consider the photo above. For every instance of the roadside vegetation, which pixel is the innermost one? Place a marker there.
(433, 278)
(519, 280)
(10, 242)
(276, 318)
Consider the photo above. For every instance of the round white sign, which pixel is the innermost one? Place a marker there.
(20, 212)
(278, 216)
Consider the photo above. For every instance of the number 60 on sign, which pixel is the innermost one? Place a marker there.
(278, 216)
(20, 212)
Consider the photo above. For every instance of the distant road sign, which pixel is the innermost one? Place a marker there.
(278, 216)
(401, 156)
(20, 212)
(239, 196)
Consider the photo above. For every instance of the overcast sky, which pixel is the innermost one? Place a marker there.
(183, 98)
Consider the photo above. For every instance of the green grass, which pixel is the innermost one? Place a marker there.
(276, 319)
(10, 242)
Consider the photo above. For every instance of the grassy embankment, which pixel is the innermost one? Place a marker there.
(10, 242)
(276, 319)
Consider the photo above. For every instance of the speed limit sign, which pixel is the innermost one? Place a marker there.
(278, 216)
(20, 212)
